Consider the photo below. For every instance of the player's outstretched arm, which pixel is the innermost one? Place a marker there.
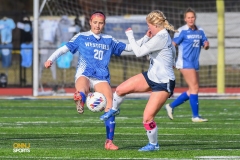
(60, 51)
(139, 42)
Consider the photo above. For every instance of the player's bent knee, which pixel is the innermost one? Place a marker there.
(150, 125)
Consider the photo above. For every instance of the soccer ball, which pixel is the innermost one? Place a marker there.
(96, 102)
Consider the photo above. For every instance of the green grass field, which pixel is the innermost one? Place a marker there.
(54, 130)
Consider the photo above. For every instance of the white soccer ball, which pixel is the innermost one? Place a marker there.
(96, 102)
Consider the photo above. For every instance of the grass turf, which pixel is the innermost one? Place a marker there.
(54, 130)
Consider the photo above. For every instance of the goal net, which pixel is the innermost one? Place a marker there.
(131, 13)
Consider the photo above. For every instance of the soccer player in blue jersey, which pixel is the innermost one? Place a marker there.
(189, 40)
(159, 79)
(95, 50)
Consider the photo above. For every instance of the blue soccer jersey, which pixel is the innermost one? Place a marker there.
(189, 46)
(95, 53)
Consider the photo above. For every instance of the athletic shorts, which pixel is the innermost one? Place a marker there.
(92, 81)
(184, 64)
(168, 87)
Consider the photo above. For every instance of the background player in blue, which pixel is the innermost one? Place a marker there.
(190, 39)
(159, 79)
(95, 50)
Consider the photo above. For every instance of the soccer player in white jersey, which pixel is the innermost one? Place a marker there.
(189, 40)
(95, 50)
(159, 79)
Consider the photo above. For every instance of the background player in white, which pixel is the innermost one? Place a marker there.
(159, 78)
(95, 50)
(190, 39)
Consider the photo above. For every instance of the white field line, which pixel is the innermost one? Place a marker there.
(159, 128)
(88, 158)
(218, 157)
(71, 158)
(202, 95)
(99, 133)
(126, 140)
(119, 120)
(19, 125)
(180, 149)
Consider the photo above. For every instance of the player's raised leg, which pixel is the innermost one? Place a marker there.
(135, 84)
(117, 100)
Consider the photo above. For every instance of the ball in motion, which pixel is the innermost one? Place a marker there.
(96, 102)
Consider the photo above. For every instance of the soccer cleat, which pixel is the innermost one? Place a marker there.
(110, 146)
(169, 111)
(150, 147)
(79, 103)
(199, 119)
(109, 114)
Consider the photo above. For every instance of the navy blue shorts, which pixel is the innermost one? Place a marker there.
(168, 87)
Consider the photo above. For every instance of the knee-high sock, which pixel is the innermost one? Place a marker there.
(180, 100)
(194, 104)
(152, 132)
(117, 100)
(110, 127)
(83, 96)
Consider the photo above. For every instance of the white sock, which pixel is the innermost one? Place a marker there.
(117, 100)
(153, 135)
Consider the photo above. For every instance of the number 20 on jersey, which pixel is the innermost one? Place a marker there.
(98, 54)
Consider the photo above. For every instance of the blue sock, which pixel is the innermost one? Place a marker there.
(110, 127)
(193, 98)
(180, 100)
(107, 129)
(83, 97)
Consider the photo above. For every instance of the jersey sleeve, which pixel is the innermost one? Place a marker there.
(140, 42)
(73, 44)
(143, 40)
(118, 47)
(157, 42)
(178, 37)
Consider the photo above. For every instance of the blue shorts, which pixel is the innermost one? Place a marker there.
(168, 87)
(186, 64)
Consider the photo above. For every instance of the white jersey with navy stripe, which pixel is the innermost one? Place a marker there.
(189, 46)
(95, 52)
(161, 53)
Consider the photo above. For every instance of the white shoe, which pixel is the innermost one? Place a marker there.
(150, 147)
(199, 119)
(169, 111)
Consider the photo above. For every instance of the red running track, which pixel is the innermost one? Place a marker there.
(29, 91)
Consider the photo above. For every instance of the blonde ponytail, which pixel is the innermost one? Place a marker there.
(168, 26)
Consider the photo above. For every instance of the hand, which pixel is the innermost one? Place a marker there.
(149, 34)
(206, 45)
(48, 64)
